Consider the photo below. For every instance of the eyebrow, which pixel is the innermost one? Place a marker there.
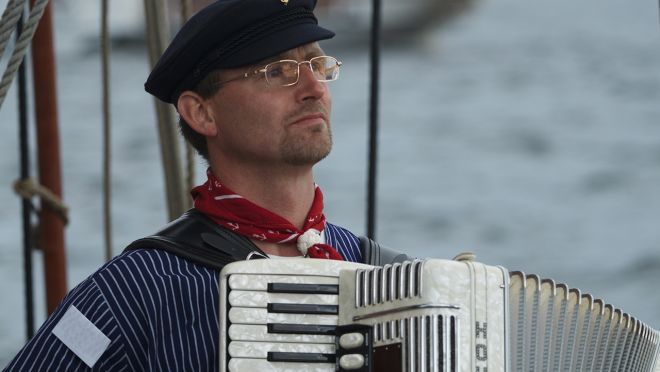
(314, 52)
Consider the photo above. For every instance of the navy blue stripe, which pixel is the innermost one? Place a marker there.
(159, 311)
(347, 243)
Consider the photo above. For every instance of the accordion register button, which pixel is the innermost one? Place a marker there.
(351, 361)
(351, 340)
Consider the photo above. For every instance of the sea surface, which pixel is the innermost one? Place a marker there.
(527, 132)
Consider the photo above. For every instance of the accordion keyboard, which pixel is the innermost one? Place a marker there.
(286, 320)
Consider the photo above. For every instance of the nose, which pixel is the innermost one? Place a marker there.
(309, 86)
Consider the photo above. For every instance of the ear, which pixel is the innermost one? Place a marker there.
(196, 112)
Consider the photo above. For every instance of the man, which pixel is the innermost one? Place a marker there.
(249, 81)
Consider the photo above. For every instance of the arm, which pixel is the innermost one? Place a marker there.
(84, 320)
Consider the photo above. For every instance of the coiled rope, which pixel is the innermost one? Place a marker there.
(27, 189)
(23, 42)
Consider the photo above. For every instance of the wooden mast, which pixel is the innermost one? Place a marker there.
(51, 224)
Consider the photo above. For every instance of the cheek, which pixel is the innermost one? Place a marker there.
(327, 103)
(270, 111)
(256, 121)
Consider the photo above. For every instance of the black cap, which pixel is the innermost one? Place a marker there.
(232, 33)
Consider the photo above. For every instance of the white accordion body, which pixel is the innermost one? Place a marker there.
(424, 316)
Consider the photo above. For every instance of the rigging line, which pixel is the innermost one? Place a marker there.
(186, 12)
(26, 205)
(21, 47)
(107, 175)
(157, 34)
(8, 24)
(28, 188)
(373, 119)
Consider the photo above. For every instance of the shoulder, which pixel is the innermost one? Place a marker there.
(345, 241)
(148, 277)
(158, 298)
(145, 264)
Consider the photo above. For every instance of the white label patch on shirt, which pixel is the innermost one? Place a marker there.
(81, 336)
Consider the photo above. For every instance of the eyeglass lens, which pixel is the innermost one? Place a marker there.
(286, 72)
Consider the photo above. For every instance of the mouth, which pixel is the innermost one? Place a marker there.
(310, 119)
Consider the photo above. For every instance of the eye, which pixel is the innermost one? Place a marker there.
(282, 72)
(318, 64)
(274, 71)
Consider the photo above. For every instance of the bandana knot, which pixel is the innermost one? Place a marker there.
(308, 239)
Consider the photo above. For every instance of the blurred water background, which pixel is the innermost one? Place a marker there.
(526, 132)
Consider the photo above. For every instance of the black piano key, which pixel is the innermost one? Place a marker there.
(300, 329)
(303, 288)
(303, 309)
(300, 357)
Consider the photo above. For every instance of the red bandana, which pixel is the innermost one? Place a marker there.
(240, 215)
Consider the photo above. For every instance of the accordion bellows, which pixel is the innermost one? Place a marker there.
(424, 315)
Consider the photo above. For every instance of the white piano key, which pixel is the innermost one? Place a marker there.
(244, 349)
(261, 365)
(262, 299)
(260, 282)
(245, 315)
(250, 332)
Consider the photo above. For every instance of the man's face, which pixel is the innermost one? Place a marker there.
(274, 125)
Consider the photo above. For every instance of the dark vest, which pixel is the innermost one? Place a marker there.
(197, 238)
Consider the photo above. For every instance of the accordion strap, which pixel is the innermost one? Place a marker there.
(195, 237)
(379, 255)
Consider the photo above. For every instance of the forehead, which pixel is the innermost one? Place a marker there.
(300, 53)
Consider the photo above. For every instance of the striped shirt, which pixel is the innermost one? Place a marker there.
(159, 312)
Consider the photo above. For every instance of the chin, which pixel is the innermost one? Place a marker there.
(308, 151)
(308, 157)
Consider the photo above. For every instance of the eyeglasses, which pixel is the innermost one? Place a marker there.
(287, 71)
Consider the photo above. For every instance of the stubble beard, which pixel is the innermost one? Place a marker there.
(309, 149)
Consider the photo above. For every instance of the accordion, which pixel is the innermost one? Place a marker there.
(424, 315)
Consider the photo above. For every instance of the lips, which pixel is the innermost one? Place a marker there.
(310, 119)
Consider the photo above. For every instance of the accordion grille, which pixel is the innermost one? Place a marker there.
(395, 282)
(555, 328)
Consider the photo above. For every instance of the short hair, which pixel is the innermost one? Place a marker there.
(206, 89)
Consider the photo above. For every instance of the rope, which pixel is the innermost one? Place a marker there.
(157, 36)
(186, 12)
(21, 47)
(26, 205)
(10, 18)
(107, 175)
(27, 189)
(373, 120)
